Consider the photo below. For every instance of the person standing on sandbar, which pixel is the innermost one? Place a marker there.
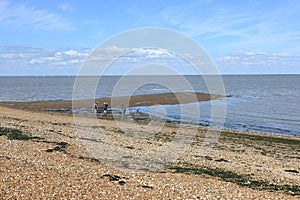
(96, 107)
(105, 106)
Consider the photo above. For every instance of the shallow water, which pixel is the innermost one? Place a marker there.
(258, 103)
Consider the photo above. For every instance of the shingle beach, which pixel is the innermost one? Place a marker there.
(42, 157)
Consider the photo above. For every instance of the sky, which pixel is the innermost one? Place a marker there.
(54, 37)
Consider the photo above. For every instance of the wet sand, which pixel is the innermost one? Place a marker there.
(133, 101)
(42, 156)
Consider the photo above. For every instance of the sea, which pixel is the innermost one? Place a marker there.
(255, 103)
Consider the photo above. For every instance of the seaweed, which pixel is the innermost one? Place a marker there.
(244, 180)
(15, 134)
(269, 140)
(264, 145)
(60, 147)
(164, 136)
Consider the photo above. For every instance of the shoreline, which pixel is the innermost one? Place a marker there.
(44, 146)
(66, 107)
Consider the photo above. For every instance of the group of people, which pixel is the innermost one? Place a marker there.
(96, 107)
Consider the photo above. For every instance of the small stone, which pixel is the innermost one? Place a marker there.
(292, 171)
(122, 182)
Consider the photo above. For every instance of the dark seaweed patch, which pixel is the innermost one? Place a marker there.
(243, 180)
(15, 134)
(60, 147)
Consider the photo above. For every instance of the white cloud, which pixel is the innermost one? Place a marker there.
(250, 53)
(152, 53)
(23, 57)
(260, 59)
(8, 55)
(20, 14)
(66, 7)
(121, 60)
(229, 59)
(105, 54)
(124, 54)
(68, 62)
(50, 58)
(72, 53)
(17, 58)
(36, 61)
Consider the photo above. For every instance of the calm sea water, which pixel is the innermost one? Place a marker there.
(258, 103)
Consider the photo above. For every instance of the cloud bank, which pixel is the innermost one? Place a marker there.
(18, 60)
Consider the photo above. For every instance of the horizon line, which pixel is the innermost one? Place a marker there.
(150, 75)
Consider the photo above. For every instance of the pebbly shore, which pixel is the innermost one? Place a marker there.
(43, 157)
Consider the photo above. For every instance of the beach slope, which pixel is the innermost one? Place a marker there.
(42, 157)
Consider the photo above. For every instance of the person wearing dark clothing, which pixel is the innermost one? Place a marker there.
(105, 107)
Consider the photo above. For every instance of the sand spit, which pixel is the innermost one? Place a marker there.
(133, 101)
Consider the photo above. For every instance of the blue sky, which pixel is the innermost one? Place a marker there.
(52, 37)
